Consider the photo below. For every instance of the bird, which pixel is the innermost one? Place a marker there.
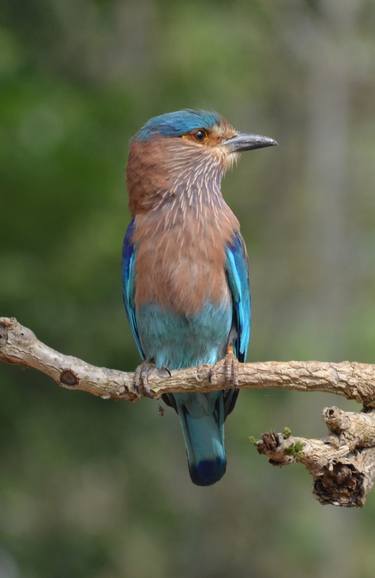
(185, 275)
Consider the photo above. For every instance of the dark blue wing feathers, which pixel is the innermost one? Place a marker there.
(128, 275)
(237, 269)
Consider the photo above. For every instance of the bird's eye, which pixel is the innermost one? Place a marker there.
(200, 135)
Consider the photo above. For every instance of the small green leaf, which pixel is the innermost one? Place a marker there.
(294, 449)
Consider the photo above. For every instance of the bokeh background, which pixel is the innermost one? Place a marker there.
(100, 489)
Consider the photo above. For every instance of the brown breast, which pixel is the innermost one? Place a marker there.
(183, 266)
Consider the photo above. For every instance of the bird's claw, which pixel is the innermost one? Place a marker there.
(230, 369)
(230, 366)
(142, 376)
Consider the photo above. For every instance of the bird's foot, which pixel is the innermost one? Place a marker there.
(228, 366)
(230, 369)
(142, 376)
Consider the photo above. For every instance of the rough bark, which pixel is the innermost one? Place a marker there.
(342, 466)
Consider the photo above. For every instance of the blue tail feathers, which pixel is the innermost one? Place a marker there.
(207, 472)
(202, 421)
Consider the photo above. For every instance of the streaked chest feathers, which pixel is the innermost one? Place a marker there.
(182, 267)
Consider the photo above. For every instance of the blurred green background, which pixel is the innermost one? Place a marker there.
(99, 489)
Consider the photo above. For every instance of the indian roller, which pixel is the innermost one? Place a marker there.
(184, 267)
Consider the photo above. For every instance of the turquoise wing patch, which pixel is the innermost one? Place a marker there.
(237, 269)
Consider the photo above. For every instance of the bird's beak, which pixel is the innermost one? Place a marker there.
(246, 142)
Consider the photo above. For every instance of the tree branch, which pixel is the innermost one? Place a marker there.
(342, 467)
(20, 346)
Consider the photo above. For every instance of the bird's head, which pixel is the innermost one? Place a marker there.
(183, 153)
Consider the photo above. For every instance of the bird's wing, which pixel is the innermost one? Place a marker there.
(237, 269)
(128, 276)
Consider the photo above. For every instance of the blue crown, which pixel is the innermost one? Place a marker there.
(177, 123)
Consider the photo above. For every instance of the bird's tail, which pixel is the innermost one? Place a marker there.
(202, 421)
